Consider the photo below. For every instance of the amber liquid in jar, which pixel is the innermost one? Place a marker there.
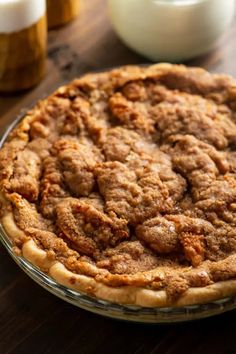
(60, 12)
(23, 34)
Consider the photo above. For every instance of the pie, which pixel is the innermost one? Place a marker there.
(122, 185)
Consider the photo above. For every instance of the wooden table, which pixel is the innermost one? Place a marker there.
(33, 321)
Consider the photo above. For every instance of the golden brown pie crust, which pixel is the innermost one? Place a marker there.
(122, 185)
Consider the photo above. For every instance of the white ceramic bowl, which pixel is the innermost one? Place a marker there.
(170, 30)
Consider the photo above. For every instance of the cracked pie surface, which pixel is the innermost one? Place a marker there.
(122, 185)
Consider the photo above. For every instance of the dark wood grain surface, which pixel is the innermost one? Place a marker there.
(33, 321)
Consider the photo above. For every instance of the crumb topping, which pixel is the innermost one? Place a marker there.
(132, 171)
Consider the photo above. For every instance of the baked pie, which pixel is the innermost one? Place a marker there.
(122, 185)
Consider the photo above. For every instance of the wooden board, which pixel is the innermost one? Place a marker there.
(33, 321)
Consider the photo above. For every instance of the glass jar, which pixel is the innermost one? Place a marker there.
(23, 34)
(170, 30)
(60, 12)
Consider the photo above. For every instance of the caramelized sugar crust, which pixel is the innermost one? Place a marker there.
(131, 171)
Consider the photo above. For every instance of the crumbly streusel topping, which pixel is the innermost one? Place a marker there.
(132, 171)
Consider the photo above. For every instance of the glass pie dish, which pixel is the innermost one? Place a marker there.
(108, 309)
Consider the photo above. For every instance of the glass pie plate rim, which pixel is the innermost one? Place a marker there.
(116, 311)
